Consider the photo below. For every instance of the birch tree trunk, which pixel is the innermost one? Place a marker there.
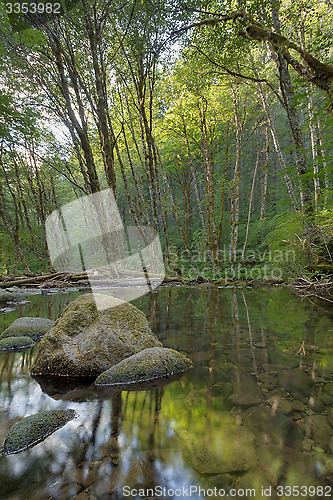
(314, 142)
(186, 244)
(277, 147)
(264, 185)
(226, 162)
(275, 139)
(250, 207)
(234, 209)
(321, 152)
(207, 151)
(197, 195)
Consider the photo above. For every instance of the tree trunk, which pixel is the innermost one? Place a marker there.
(26, 215)
(264, 185)
(278, 148)
(321, 152)
(313, 136)
(207, 151)
(226, 162)
(186, 244)
(287, 92)
(250, 207)
(13, 231)
(234, 211)
(81, 130)
(107, 145)
(197, 195)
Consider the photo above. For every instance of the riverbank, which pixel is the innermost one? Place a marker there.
(61, 281)
(16, 290)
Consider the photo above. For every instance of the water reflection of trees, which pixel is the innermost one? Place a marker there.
(236, 340)
(129, 453)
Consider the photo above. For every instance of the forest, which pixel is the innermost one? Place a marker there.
(199, 133)
(210, 120)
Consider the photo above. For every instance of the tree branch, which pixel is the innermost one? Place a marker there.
(317, 72)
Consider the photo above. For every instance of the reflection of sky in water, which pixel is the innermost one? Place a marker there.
(56, 456)
(175, 475)
(143, 448)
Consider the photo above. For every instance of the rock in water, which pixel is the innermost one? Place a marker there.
(85, 342)
(6, 296)
(35, 328)
(34, 429)
(13, 343)
(150, 364)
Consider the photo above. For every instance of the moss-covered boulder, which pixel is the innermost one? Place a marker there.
(85, 341)
(34, 429)
(150, 364)
(16, 343)
(35, 328)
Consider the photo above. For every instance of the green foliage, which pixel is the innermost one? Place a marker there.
(184, 83)
(285, 237)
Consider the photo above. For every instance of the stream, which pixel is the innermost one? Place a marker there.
(252, 419)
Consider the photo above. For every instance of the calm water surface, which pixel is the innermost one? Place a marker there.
(255, 411)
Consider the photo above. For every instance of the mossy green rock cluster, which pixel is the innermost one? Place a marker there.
(85, 342)
(11, 343)
(34, 429)
(150, 364)
(35, 328)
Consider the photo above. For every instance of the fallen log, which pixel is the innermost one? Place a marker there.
(23, 281)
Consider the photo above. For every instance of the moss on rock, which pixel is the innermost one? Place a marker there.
(34, 429)
(150, 364)
(35, 328)
(10, 343)
(85, 342)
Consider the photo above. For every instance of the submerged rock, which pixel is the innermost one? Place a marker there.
(150, 364)
(258, 479)
(85, 342)
(328, 388)
(317, 428)
(296, 382)
(6, 296)
(6, 310)
(11, 343)
(246, 390)
(34, 429)
(12, 295)
(231, 449)
(35, 328)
